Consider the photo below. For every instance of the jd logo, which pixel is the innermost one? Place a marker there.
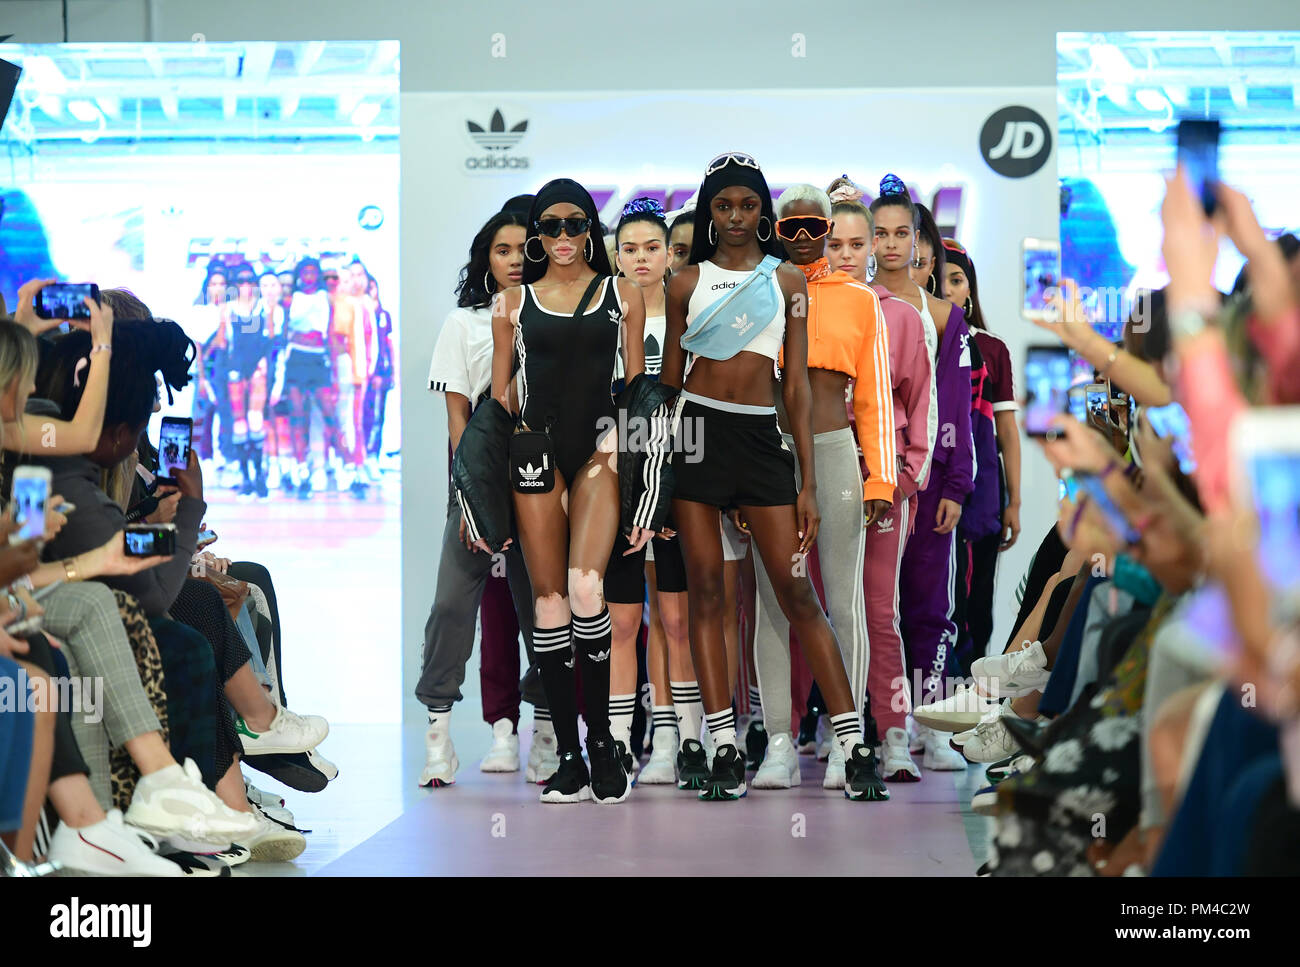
(1015, 141)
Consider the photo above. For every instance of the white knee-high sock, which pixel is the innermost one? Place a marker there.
(689, 708)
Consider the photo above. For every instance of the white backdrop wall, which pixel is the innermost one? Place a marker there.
(629, 142)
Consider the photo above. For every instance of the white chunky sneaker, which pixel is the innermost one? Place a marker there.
(991, 741)
(780, 768)
(896, 761)
(661, 770)
(272, 843)
(1014, 673)
(289, 732)
(939, 756)
(174, 802)
(543, 759)
(111, 848)
(914, 743)
(956, 713)
(834, 778)
(440, 762)
(503, 756)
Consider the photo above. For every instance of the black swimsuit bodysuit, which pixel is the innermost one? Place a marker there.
(566, 366)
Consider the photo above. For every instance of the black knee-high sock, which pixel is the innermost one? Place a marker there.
(592, 642)
(555, 658)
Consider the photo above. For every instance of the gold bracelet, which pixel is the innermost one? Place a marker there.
(70, 568)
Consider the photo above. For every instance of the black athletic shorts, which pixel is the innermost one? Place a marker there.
(309, 371)
(731, 459)
(670, 568)
(625, 576)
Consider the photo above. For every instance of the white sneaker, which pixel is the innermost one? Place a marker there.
(780, 768)
(939, 756)
(1014, 673)
(328, 769)
(956, 713)
(272, 843)
(826, 740)
(543, 759)
(289, 732)
(661, 770)
(991, 741)
(270, 804)
(110, 847)
(914, 743)
(440, 762)
(504, 754)
(834, 778)
(961, 738)
(897, 764)
(174, 802)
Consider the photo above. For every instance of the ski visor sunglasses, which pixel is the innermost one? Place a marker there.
(814, 226)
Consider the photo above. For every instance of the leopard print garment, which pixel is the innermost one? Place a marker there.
(149, 661)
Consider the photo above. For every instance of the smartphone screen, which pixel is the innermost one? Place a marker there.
(1198, 154)
(174, 446)
(1115, 519)
(1098, 405)
(66, 300)
(1275, 482)
(30, 494)
(1170, 423)
(1042, 276)
(1079, 404)
(146, 540)
(1047, 387)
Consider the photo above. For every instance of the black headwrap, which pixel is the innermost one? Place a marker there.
(556, 192)
(730, 174)
(960, 259)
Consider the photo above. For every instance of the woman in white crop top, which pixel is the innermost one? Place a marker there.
(729, 455)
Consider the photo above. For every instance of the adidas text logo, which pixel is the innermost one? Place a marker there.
(531, 475)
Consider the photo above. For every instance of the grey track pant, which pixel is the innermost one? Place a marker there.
(449, 632)
(840, 542)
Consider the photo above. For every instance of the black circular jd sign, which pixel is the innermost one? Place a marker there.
(1015, 141)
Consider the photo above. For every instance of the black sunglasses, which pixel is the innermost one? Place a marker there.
(572, 227)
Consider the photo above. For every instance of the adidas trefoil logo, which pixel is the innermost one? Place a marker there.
(742, 323)
(600, 655)
(496, 137)
(615, 316)
(885, 525)
(531, 476)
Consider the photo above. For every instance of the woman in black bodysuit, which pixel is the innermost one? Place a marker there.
(565, 367)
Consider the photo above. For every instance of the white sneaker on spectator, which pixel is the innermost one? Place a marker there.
(991, 741)
(834, 778)
(110, 847)
(985, 801)
(440, 760)
(938, 755)
(328, 769)
(1014, 673)
(543, 759)
(288, 732)
(914, 743)
(896, 758)
(503, 756)
(272, 843)
(780, 767)
(958, 712)
(270, 804)
(661, 770)
(174, 802)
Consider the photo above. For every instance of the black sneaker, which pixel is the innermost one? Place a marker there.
(609, 782)
(358, 490)
(626, 758)
(727, 780)
(862, 780)
(692, 765)
(294, 769)
(755, 745)
(259, 489)
(571, 782)
(197, 864)
(806, 743)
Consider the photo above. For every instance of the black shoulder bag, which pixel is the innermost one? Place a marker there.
(532, 457)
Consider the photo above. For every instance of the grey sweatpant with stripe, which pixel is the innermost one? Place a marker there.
(840, 542)
(85, 619)
(449, 632)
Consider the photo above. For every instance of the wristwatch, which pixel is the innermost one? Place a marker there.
(1187, 323)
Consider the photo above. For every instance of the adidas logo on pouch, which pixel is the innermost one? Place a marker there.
(742, 324)
(531, 475)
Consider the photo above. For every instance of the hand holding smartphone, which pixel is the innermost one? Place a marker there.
(1041, 279)
(1198, 156)
(174, 441)
(31, 492)
(1047, 388)
(66, 300)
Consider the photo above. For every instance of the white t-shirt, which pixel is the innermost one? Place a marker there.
(202, 323)
(462, 357)
(310, 312)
